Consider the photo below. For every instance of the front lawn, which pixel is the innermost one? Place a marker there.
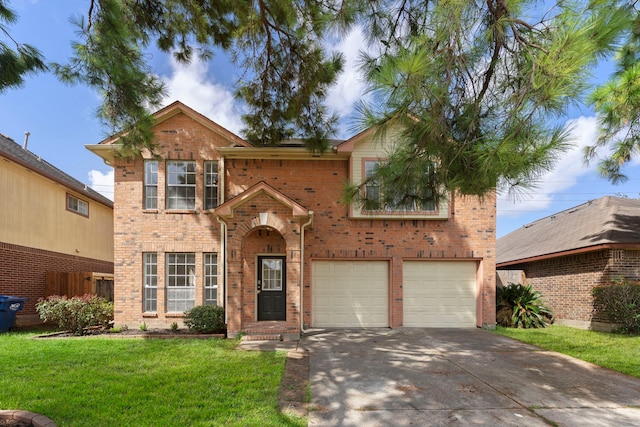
(614, 351)
(100, 381)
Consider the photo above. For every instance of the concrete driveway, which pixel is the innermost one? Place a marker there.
(451, 377)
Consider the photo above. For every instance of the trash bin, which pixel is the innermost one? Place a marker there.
(9, 306)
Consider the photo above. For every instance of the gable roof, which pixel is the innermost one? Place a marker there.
(605, 222)
(107, 148)
(227, 208)
(14, 152)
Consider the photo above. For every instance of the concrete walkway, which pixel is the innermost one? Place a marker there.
(452, 377)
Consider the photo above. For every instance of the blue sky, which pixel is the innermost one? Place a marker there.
(61, 118)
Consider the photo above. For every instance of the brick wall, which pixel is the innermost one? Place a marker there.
(566, 282)
(137, 231)
(23, 271)
(317, 185)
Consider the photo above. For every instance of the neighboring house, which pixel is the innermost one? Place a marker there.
(566, 254)
(49, 223)
(262, 231)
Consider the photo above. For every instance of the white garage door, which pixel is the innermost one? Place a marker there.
(348, 294)
(439, 294)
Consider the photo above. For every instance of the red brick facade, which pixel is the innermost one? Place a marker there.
(566, 282)
(24, 270)
(305, 221)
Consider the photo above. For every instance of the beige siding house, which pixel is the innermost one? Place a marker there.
(49, 222)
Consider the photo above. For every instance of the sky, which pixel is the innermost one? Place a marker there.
(61, 119)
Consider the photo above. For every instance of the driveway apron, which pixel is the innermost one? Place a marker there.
(451, 377)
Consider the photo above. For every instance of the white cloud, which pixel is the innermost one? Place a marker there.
(564, 176)
(350, 86)
(191, 85)
(102, 182)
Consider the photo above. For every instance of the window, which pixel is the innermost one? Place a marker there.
(272, 275)
(76, 205)
(181, 185)
(150, 282)
(375, 200)
(372, 187)
(181, 282)
(151, 184)
(210, 279)
(210, 184)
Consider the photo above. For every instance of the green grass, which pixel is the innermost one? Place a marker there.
(135, 382)
(614, 351)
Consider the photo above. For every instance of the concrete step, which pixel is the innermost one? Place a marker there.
(262, 337)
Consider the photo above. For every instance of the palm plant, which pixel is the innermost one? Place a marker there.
(520, 306)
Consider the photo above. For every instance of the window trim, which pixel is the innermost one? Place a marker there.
(169, 186)
(145, 282)
(210, 276)
(147, 186)
(205, 199)
(188, 276)
(79, 201)
(441, 212)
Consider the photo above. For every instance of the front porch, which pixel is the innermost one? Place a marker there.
(264, 239)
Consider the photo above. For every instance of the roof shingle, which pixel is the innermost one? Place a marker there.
(608, 220)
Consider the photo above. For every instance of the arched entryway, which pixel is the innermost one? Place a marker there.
(265, 265)
(262, 254)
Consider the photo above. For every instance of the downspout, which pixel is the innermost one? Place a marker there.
(223, 246)
(305, 225)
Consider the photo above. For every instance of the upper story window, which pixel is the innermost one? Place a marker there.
(151, 184)
(372, 200)
(375, 199)
(210, 184)
(78, 206)
(181, 185)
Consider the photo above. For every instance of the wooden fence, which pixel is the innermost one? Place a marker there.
(78, 284)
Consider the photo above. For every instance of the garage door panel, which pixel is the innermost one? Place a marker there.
(439, 294)
(350, 294)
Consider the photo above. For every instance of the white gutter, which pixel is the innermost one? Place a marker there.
(223, 247)
(308, 223)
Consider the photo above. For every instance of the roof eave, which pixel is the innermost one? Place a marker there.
(568, 252)
(288, 153)
(106, 152)
(83, 191)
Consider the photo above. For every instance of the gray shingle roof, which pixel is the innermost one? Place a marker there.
(14, 152)
(608, 220)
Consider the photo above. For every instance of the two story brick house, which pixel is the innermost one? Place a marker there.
(262, 231)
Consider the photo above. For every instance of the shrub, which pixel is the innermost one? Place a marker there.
(519, 306)
(75, 314)
(619, 303)
(205, 319)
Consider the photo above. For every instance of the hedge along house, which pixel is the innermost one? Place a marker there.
(50, 223)
(565, 255)
(262, 231)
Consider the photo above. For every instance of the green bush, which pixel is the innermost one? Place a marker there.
(75, 314)
(205, 319)
(619, 303)
(519, 306)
